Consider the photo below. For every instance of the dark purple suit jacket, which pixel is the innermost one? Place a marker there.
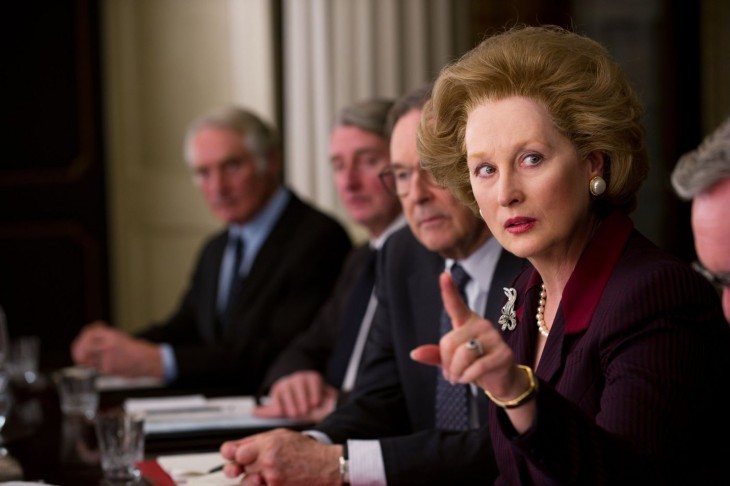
(631, 377)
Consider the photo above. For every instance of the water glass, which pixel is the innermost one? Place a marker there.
(23, 359)
(121, 443)
(77, 391)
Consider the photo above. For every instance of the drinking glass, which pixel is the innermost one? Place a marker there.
(121, 443)
(22, 360)
(77, 391)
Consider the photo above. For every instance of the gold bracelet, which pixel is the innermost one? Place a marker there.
(529, 393)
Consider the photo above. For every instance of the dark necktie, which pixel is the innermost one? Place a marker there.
(352, 318)
(452, 401)
(235, 280)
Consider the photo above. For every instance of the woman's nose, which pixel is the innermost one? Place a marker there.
(508, 189)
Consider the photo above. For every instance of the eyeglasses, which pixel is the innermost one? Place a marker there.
(398, 179)
(719, 280)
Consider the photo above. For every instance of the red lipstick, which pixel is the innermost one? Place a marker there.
(519, 225)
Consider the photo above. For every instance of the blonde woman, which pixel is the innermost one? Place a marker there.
(610, 357)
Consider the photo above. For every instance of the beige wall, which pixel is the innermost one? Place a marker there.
(165, 62)
(168, 60)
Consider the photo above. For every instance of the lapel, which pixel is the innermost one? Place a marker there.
(208, 324)
(552, 359)
(425, 299)
(524, 338)
(267, 261)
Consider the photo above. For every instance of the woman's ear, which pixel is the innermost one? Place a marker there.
(596, 163)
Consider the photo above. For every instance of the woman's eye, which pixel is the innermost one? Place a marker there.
(484, 170)
(533, 159)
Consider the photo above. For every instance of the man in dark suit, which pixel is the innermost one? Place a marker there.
(395, 399)
(256, 284)
(307, 377)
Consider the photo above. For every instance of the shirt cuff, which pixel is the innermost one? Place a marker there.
(366, 463)
(318, 436)
(169, 365)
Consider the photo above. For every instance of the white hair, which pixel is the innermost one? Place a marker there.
(708, 164)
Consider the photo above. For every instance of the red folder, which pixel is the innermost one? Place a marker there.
(153, 473)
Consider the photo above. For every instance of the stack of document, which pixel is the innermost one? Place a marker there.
(117, 383)
(196, 413)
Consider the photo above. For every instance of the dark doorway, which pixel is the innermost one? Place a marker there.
(53, 257)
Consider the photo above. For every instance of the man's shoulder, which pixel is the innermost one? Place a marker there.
(216, 239)
(303, 212)
(403, 248)
(402, 239)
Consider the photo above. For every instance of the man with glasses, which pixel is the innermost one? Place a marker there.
(429, 431)
(703, 176)
(399, 178)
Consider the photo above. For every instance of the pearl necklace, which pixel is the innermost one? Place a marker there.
(540, 316)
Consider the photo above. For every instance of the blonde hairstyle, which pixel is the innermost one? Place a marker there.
(585, 92)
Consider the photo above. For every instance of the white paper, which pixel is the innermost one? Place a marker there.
(195, 412)
(161, 404)
(192, 469)
(116, 383)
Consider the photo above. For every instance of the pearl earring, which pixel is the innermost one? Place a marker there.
(480, 214)
(597, 186)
